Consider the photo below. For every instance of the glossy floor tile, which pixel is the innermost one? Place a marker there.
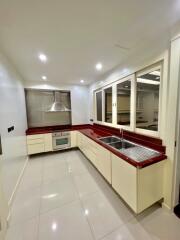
(68, 222)
(132, 230)
(103, 217)
(62, 196)
(57, 193)
(27, 230)
(26, 205)
(82, 181)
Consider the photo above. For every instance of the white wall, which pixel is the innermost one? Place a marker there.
(79, 99)
(12, 113)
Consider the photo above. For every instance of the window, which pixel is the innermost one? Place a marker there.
(108, 104)
(147, 99)
(99, 106)
(124, 103)
(132, 102)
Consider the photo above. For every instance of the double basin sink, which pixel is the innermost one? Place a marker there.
(131, 150)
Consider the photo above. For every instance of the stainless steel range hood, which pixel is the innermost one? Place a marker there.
(60, 101)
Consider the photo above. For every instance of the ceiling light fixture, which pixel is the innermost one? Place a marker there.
(42, 57)
(99, 66)
(82, 81)
(44, 78)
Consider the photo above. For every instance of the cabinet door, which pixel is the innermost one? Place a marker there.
(90, 150)
(104, 162)
(36, 148)
(74, 139)
(79, 140)
(150, 185)
(124, 181)
(48, 142)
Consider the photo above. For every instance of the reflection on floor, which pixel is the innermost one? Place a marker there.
(62, 196)
(11, 170)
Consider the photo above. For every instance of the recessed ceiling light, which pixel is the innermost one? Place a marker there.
(44, 78)
(42, 57)
(82, 81)
(99, 66)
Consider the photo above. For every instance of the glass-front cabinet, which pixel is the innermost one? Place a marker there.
(132, 103)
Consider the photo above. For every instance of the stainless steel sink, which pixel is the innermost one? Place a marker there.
(132, 150)
(122, 145)
(109, 139)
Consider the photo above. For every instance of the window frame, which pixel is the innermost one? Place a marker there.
(95, 105)
(103, 103)
(130, 78)
(133, 79)
(148, 69)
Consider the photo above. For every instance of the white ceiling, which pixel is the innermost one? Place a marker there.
(76, 34)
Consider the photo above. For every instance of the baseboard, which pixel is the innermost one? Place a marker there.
(166, 207)
(17, 183)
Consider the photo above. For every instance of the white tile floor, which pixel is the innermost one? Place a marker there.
(62, 196)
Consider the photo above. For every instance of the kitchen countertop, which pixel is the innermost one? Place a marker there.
(94, 133)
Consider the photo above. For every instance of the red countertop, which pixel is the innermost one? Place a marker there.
(94, 134)
(96, 131)
(50, 129)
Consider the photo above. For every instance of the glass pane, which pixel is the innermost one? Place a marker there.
(108, 104)
(62, 141)
(147, 102)
(99, 106)
(123, 103)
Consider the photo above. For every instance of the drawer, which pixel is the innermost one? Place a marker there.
(35, 141)
(36, 136)
(36, 148)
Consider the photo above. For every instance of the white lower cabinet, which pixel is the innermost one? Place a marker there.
(39, 143)
(139, 188)
(48, 142)
(74, 139)
(104, 162)
(99, 156)
(124, 181)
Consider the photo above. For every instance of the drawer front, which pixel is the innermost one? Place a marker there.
(36, 148)
(35, 136)
(35, 141)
